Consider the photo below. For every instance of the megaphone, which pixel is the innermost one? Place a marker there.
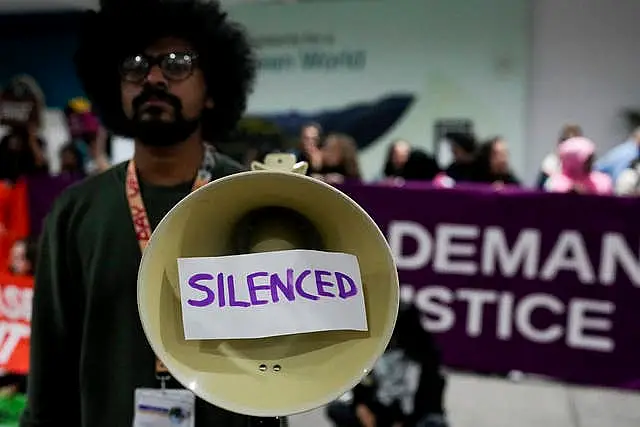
(271, 208)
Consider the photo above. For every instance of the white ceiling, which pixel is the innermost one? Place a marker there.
(16, 6)
(44, 5)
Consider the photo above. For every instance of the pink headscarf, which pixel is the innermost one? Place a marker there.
(81, 124)
(574, 154)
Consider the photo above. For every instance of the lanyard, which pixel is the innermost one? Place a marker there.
(141, 224)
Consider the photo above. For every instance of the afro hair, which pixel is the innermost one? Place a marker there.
(123, 28)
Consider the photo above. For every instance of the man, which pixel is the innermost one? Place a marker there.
(406, 386)
(463, 149)
(619, 158)
(171, 75)
(551, 162)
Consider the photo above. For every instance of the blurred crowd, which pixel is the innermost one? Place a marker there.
(571, 168)
(332, 157)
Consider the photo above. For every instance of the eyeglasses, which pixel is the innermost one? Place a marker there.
(175, 66)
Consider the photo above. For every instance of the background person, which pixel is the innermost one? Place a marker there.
(577, 156)
(406, 387)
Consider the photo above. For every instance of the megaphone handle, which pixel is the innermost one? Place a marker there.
(268, 422)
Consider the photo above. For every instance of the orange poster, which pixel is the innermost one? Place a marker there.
(16, 293)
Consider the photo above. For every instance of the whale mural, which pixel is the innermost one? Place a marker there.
(364, 121)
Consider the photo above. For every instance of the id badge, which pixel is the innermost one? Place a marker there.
(164, 408)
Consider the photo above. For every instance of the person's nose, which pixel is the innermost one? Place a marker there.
(156, 77)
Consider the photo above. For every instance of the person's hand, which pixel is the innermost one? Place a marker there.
(315, 161)
(334, 178)
(314, 155)
(394, 181)
(498, 185)
(579, 188)
(365, 416)
(98, 150)
(99, 143)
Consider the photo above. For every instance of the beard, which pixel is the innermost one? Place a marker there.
(149, 127)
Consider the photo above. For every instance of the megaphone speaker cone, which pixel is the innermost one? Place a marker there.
(275, 228)
(257, 212)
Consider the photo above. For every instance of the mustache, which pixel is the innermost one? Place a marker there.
(153, 92)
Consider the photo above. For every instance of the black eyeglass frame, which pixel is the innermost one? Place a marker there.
(151, 61)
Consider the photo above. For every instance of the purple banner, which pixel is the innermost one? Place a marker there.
(43, 191)
(546, 284)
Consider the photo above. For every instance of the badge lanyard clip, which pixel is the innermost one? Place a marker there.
(162, 374)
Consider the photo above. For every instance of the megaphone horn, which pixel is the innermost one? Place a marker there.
(272, 228)
(272, 208)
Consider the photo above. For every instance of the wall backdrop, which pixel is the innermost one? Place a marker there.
(42, 46)
(387, 69)
(377, 69)
(585, 70)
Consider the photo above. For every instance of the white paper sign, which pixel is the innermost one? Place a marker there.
(270, 294)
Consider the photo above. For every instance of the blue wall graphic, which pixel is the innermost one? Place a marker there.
(42, 46)
(364, 121)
